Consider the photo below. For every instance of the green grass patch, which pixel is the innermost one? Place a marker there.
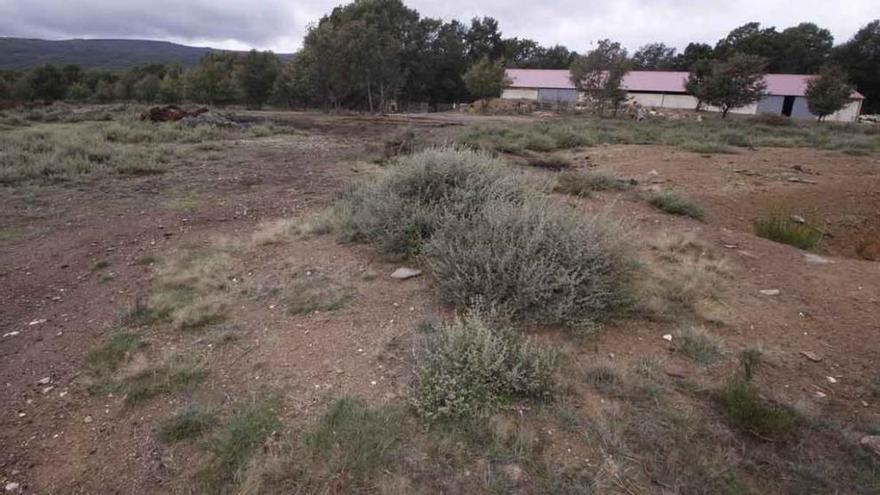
(582, 184)
(188, 424)
(235, 442)
(675, 204)
(114, 351)
(160, 380)
(779, 227)
(316, 293)
(698, 344)
(745, 409)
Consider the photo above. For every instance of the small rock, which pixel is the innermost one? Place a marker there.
(87, 420)
(831, 379)
(12, 487)
(769, 292)
(514, 472)
(816, 259)
(871, 442)
(404, 273)
(812, 356)
(11, 334)
(47, 389)
(668, 337)
(820, 395)
(44, 381)
(798, 219)
(37, 322)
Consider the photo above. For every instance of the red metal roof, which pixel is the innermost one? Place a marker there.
(653, 81)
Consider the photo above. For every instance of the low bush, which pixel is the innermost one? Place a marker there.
(582, 184)
(540, 261)
(705, 147)
(674, 204)
(402, 208)
(191, 289)
(468, 368)
(779, 227)
(553, 162)
(160, 380)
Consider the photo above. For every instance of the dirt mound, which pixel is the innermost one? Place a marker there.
(170, 113)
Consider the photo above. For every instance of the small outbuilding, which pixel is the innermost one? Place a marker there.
(666, 89)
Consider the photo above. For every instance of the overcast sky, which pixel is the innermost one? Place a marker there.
(279, 24)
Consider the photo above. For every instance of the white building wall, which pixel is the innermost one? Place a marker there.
(519, 94)
(849, 113)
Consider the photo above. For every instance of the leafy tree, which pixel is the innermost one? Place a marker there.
(803, 49)
(696, 81)
(486, 79)
(147, 89)
(751, 39)
(256, 77)
(104, 91)
(693, 53)
(600, 74)
(654, 56)
(213, 80)
(79, 92)
(733, 83)
(483, 40)
(45, 83)
(829, 92)
(860, 58)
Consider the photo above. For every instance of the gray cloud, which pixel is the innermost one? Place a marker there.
(280, 24)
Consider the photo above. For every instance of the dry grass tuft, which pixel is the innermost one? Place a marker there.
(683, 279)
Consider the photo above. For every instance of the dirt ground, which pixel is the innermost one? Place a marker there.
(55, 437)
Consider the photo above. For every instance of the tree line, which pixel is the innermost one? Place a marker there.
(371, 54)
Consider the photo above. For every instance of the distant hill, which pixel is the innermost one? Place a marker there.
(23, 53)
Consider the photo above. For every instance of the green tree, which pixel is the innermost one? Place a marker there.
(146, 90)
(79, 92)
(485, 79)
(860, 58)
(45, 83)
(170, 89)
(600, 75)
(752, 39)
(654, 56)
(829, 92)
(484, 40)
(256, 77)
(693, 53)
(803, 49)
(696, 80)
(734, 83)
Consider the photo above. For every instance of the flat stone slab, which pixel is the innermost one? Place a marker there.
(404, 273)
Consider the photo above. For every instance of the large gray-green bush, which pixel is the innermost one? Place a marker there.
(541, 261)
(402, 208)
(468, 368)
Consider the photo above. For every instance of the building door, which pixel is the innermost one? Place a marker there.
(787, 105)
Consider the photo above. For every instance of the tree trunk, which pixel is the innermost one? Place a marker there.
(369, 95)
(724, 110)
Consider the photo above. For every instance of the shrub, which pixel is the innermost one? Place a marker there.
(405, 205)
(192, 288)
(605, 378)
(746, 410)
(779, 227)
(582, 184)
(467, 369)
(697, 344)
(189, 423)
(540, 261)
(706, 147)
(160, 380)
(674, 204)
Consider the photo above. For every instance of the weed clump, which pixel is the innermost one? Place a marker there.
(748, 411)
(540, 261)
(192, 288)
(467, 369)
(674, 204)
